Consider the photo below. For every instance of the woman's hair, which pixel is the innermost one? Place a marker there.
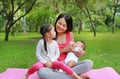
(43, 30)
(68, 20)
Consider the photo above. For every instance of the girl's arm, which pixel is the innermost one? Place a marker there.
(38, 52)
(57, 52)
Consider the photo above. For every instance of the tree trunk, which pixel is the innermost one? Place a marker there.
(113, 21)
(24, 23)
(92, 25)
(11, 14)
(79, 27)
(6, 36)
(7, 31)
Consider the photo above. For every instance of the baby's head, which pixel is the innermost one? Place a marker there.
(81, 44)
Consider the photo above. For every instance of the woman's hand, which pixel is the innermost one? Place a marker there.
(48, 64)
(79, 53)
(68, 48)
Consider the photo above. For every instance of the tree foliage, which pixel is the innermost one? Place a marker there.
(10, 9)
(87, 14)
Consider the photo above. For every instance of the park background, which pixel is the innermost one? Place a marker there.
(96, 22)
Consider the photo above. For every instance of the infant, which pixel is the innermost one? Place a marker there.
(71, 58)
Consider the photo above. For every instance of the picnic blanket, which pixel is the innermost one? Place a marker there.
(101, 73)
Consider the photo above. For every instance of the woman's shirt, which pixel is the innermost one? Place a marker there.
(61, 46)
(52, 53)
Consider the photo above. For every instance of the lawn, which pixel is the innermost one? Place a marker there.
(19, 51)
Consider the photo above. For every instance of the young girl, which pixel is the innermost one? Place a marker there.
(47, 53)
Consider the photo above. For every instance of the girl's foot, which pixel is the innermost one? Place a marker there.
(24, 77)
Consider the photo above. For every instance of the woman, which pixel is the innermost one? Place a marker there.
(47, 53)
(64, 35)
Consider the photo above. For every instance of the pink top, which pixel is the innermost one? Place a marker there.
(61, 46)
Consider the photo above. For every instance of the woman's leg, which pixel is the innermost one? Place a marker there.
(64, 67)
(49, 73)
(83, 66)
(80, 67)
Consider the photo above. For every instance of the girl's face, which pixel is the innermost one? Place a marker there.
(61, 26)
(52, 32)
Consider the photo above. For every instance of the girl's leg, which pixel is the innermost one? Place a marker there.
(67, 69)
(83, 66)
(34, 68)
(61, 65)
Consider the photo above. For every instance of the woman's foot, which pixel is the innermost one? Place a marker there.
(85, 77)
(75, 76)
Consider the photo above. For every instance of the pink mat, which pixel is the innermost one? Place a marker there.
(16, 73)
(102, 73)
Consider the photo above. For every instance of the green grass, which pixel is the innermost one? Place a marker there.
(19, 51)
(104, 49)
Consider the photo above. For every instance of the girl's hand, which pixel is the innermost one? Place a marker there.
(48, 64)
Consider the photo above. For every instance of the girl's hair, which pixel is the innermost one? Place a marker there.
(43, 30)
(68, 20)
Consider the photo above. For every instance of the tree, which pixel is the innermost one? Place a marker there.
(83, 5)
(116, 5)
(79, 26)
(113, 6)
(10, 9)
(44, 12)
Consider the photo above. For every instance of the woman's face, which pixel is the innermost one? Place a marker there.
(61, 26)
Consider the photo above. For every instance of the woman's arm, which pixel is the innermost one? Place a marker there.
(69, 47)
(77, 53)
(72, 36)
